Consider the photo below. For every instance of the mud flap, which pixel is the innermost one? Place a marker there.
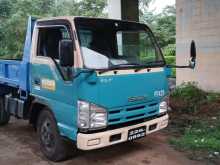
(4, 115)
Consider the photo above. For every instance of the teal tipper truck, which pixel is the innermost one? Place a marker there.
(92, 82)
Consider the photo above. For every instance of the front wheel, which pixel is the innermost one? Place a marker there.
(4, 115)
(51, 143)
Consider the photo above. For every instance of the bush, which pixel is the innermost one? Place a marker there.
(188, 98)
(171, 60)
(213, 97)
(170, 50)
(195, 120)
(173, 73)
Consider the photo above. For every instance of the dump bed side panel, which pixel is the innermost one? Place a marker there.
(9, 72)
(15, 73)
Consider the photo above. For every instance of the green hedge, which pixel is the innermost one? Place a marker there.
(169, 50)
(171, 60)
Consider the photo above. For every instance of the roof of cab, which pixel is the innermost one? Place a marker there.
(55, 18)
(70, 18)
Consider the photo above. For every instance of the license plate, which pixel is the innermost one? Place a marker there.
(137, 133)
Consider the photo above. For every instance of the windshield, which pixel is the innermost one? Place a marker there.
(106, 44)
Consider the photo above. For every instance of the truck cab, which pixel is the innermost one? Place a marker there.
(95, 82)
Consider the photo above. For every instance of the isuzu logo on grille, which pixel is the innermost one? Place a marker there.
(136, 98)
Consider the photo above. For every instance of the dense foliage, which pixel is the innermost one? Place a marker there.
(14, 13)
(163, 26)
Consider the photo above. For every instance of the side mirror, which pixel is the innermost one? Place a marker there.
(192, 61)
(66, 53)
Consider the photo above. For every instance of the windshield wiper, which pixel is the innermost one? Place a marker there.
(129, 64)
(137, 66)
(150, 64)
(119, 66)
(160, 62)
(109, 69)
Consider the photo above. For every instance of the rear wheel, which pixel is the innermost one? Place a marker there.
(51, 143)
(4, 115)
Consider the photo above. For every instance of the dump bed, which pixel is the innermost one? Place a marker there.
(9, 72)
(15, 73)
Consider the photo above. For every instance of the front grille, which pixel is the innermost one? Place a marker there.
(131, 113)
(135, 116)
(135, 108)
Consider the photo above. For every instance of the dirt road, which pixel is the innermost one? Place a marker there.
(18, 146)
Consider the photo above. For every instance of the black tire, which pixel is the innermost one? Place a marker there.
(51, 143)
(4, 115)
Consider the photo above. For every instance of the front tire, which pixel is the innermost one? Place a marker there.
(4, 115)
(51, 143)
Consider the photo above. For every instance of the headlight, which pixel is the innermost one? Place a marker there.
(91, 116)
(163, 107)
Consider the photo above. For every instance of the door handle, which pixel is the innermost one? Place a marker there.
(37, 81)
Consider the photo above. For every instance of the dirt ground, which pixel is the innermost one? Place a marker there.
(18, 146)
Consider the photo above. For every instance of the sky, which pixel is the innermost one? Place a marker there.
(158, 5)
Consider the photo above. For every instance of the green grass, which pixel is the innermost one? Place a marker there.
(195, 118)
(202, 136)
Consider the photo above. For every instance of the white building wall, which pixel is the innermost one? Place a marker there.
(199, 20)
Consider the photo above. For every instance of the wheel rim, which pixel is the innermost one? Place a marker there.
(47, 136)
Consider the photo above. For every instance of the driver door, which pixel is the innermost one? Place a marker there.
(51, 83)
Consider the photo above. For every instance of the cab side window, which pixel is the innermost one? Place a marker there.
(48, 46)
(48, 41)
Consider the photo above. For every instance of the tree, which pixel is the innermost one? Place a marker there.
(5, 9)
(92, 8)
(146, 15)
(14, 14)
(144, 5)
(163, 24)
